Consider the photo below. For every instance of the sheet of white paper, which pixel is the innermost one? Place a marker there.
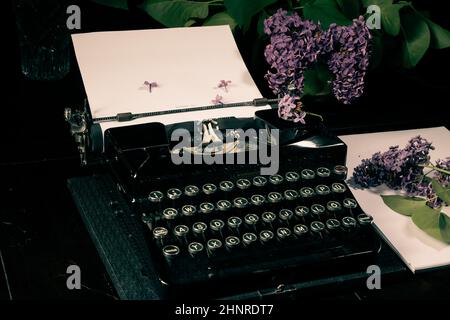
(418, 250)
(186, 63)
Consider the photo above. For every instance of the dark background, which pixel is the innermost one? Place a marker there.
(40, 231)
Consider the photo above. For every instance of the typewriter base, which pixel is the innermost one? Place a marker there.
(121, 245)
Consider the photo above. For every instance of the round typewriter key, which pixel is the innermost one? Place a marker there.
(249, 238)
(160, 233)
(216, 225)
(188, 210)
(340, 171)
(232, 242)
(251, 219)
(308, 174)
(350, 203)
(317, 226)
(191, 191)
(199, 228)
(283, 233)
(338, 187)
(213, 245)
(333, 206)
(243, 184)
(364, 219)
(224, 205)
(265, 236)
(209, 188)
(240, 202)
(155, 196)
(274, 197)
(349, 222)
(181, 230)
(290, 195)
(268, 217)
(285, 214)
(206, 207)
(174, 193)
(300, 229)
(170, 213)
(322, 190)
(323, 172)
(301, 211)
(259, 181)
(276, 179)
(306, 192)
(317, 209)
(171, 251)
(333, 224)
(257, 199)
(195, 248)
(292, 176)
(226, 186)
(234, 222)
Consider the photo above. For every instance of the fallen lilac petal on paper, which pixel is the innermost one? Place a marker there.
(150, 85)
(217, 100)
(224, 84)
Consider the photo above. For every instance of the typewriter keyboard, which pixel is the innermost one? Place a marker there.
(218, 227)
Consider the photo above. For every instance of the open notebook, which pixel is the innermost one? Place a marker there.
(417, 249)
(186, 63)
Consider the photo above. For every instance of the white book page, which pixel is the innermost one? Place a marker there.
(186, 63)
(417, 249)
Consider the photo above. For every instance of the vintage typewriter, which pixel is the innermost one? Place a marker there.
(218, 230)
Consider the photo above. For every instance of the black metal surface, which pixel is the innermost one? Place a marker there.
(118, 239)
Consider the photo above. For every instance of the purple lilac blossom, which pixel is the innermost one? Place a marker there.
(296, 45)
(402, 169)
(224, 84)
(289, 109)
(217, 100)
(150, 85)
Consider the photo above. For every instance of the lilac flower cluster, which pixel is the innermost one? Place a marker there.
(402, 169)
(289, 109)
(296, 45)
(350, 60)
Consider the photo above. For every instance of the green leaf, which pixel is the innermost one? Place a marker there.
(260, 26)
(303, 2)
(189, 23)
(316, 81)
(442, 192)
(119, 4)
(243, 10)
(175, 13)
(444, 226)
(390, 18)
(405, 205)
(417, 39)
(440, 37)
(350, 8)
(221, 18)
(429, 221)
(326, 12)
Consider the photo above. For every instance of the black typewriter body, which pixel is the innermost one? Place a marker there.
(221, 230)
